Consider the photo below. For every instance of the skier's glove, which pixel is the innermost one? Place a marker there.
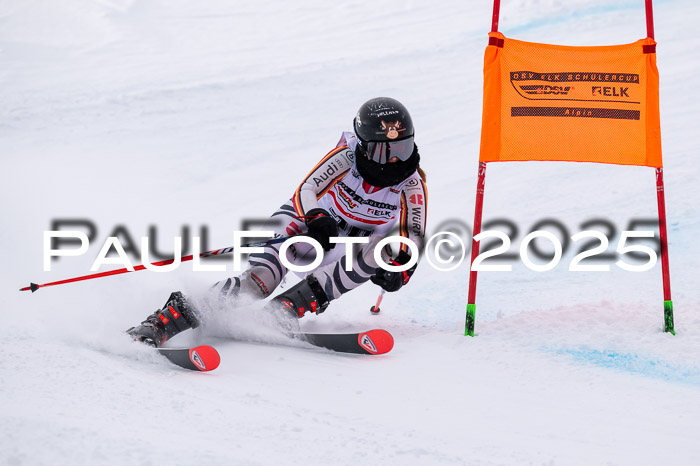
(321, 227)
(392, 281)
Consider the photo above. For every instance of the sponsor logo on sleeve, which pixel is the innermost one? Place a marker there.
(331, 171)
(416, 199)
(349, 154)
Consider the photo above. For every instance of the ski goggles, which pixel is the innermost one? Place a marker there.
(382, 152)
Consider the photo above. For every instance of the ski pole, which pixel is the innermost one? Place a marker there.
(375, 309)
(216, 252)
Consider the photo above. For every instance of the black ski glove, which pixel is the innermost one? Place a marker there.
(393, 281)
(321, 227)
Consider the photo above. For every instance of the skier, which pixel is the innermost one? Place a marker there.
(367, 184)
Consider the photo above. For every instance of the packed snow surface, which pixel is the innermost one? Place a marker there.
(175, 114)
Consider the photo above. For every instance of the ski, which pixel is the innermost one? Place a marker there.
(200, 358)
(370, 342)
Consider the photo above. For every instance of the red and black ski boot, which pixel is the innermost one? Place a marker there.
(305, 296)
(176, 316)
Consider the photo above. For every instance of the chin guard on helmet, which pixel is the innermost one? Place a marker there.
(386, 174)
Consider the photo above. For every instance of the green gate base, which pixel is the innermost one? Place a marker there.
(668, 317)
(469, 324)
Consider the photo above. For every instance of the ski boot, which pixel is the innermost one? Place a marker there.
(305, 296)
(176, 316)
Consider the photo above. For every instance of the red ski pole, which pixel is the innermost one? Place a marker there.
(216, 252)
(375, 309)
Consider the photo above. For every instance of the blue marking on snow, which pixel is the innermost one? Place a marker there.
(554, 20)
(634, 363)
(590, 11)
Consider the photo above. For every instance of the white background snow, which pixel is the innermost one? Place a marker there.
(177, 113)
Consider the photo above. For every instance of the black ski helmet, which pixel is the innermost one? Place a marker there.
(384, 130)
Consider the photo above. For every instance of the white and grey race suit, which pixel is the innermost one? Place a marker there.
(360, 209)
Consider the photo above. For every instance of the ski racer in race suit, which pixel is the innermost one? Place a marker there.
(367, 185)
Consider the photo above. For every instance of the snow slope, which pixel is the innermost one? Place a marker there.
(173, 114)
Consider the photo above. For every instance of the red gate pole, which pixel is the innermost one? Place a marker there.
(663, 237)
(478, 208)
(650, 18)
(661, 200)
(496, 13)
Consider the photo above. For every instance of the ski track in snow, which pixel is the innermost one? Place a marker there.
(166, 113)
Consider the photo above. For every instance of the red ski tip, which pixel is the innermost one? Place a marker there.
(376, 341)
(205, 358)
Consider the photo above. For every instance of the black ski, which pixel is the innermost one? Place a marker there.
(371, 342)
